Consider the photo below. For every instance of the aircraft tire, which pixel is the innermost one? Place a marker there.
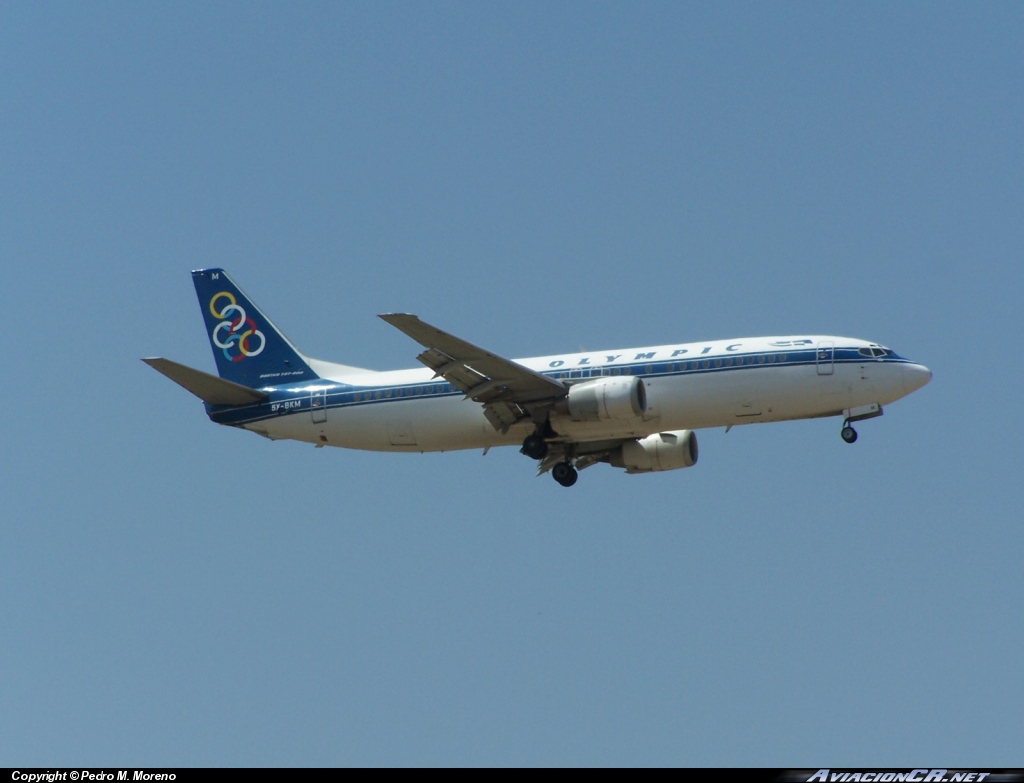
(565, 474)
(849, 434)
(534, 446)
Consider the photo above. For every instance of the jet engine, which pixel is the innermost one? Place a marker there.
(605, 399)
(660, 451)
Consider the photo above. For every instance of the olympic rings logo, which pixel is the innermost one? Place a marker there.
(237, 344)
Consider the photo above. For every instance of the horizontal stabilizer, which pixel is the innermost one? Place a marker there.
(209, 388)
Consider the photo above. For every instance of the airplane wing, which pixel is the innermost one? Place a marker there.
(508, 391)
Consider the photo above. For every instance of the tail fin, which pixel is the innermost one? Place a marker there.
(248, 348)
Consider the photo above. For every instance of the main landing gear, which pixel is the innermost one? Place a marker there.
(534, 446)
(565, 474)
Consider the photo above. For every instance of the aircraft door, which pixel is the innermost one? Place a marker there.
(826, 357)
(318, 405)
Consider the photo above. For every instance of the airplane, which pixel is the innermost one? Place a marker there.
(636, 409)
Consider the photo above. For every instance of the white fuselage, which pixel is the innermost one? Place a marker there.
(688, 386)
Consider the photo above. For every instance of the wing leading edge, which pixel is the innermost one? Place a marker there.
(508, 391)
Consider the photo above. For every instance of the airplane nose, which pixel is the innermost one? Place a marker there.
(915, 376)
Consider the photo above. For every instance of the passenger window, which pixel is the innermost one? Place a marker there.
(782, 357)
(650, 369)
(760, 359)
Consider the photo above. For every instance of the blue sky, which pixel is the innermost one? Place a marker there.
(533, 177)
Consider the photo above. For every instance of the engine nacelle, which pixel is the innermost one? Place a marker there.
(660, 451)
(605, 399)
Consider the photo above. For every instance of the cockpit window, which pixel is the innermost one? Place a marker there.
(864, 352)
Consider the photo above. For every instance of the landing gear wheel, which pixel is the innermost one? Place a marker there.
(849, 434)
(534, 446)
(565, 474)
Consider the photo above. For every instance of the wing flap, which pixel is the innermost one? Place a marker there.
(505, 388)
(503, 415)
(208, 388)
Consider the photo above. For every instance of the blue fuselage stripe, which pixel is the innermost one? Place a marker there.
(297, 398)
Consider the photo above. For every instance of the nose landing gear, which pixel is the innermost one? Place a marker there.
(848, 433)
